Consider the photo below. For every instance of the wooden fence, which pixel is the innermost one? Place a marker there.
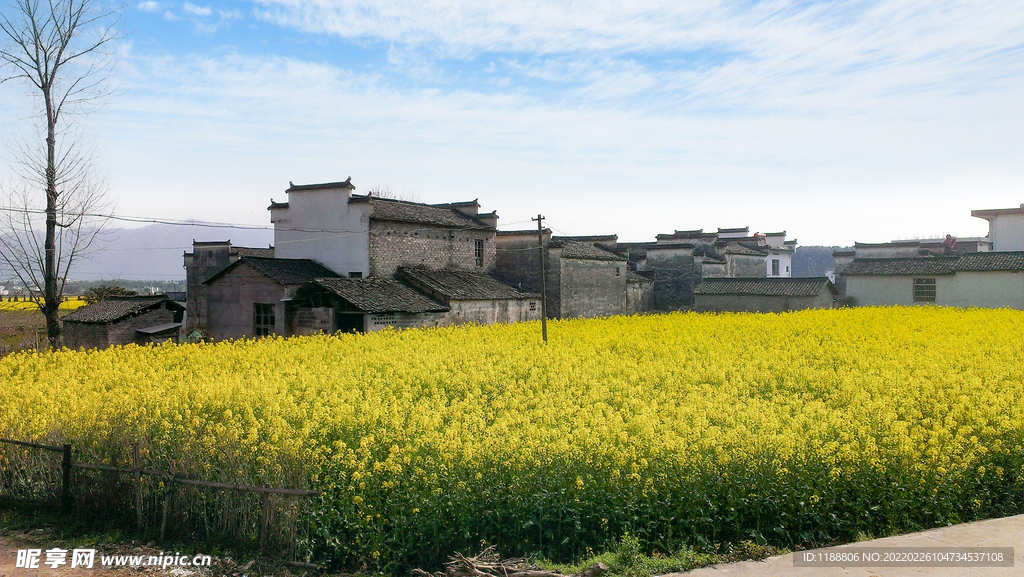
(170, 479)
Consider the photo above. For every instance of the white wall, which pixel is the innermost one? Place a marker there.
(1006, 231)
(964, 289)
(785, 264)
(335, 233)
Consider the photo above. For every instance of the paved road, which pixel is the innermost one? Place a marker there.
(1006, 532)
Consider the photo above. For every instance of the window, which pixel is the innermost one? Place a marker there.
(479, 251)
(533, 306)
(775, 267)
(616, 271)
(355, 275)
(380, 320)
(262, 319)
(924, 290)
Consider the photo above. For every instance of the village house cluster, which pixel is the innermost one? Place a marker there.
(343, 261)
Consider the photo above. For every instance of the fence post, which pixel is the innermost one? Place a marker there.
(138, 487)
(167, 501)
(66, 502)
(264, 520)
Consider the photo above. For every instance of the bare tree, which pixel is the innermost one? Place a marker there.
(59, 50)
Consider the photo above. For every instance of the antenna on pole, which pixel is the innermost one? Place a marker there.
(543, 282)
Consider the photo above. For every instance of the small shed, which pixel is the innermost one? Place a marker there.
(362, 305)
(122, 320)
(473, 297)
(763, 294)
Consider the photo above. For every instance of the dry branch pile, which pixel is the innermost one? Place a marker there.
(488, 564)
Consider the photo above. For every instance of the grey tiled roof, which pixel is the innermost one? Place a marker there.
(901, 266)
(113, 308)
(324, 185)
(380, 295)
(584, 250)
(780, 287)
(286, 271)
(737, 248)
(460, 285)
(991, 261)
(249, 251)
(419, 213)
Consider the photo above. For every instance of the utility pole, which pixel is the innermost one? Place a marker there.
(543, 282)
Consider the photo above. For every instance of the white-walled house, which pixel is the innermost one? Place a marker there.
(980, 279)
(1005, 227)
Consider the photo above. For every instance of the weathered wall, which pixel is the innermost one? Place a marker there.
(381, 322)
(592, 288)
(757, 303)
(312, 320)
(206, 261)
(639, 297)
(340, 240)
(745, 266)
(486, 312)
(394, 244)
(674, 279)
(85, 335)
(231, 298)
(516, 261)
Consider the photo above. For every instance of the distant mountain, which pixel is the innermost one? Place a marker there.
(154, 252)
(813, 261)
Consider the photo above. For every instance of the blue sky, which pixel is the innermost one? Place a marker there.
(836, 121)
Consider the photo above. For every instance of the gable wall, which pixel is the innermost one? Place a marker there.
(334, 232)
(231, 299)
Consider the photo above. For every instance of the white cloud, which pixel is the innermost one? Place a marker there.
(245, 126)
(763, 56)
(197, 10)
(171, 16)
(149, 6)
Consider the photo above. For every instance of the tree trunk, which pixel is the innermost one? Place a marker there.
(51, 300)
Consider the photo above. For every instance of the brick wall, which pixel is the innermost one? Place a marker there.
(394, 244)
(231, 298)
(85, 335)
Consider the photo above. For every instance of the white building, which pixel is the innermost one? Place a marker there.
(1005, 227)
(980, 279)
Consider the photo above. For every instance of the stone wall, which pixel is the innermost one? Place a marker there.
(395, 244)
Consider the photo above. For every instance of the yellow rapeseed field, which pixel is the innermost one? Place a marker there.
(69, 304)
(799, 428)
